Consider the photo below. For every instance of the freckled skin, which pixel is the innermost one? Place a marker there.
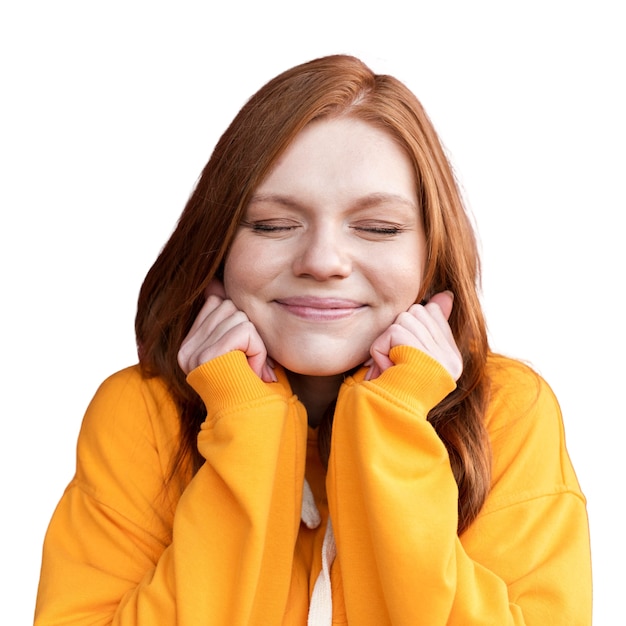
(336, 218)
(325, 269)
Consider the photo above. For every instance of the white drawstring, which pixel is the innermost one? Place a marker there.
(321, 608)
(310, 515)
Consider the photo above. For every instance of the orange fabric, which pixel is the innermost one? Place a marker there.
(124, 549)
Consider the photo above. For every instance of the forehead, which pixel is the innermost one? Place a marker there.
(343, 154)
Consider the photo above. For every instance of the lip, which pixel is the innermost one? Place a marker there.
(322, 309)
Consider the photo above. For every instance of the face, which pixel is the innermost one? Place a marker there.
(331, 248)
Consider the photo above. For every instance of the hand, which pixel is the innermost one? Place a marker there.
(424, 327)
(221, 327)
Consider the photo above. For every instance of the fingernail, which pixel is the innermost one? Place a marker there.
(269, 374)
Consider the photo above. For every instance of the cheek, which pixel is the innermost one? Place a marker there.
(237, 287)
(246, 272)
(400, 272)
(400, 285)
(234, 272)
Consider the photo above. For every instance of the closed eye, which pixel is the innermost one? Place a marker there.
(271, 227)
(382, 229)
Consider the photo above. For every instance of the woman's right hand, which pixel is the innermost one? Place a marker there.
(221, 327)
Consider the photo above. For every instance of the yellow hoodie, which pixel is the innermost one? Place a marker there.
(238, 543)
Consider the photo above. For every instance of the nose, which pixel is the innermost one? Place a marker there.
(323, 255)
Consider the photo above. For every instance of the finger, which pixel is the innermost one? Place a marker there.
(444, 300)
(213, 328)
(225, 329)
(211, 304)
(267, 374)
(215, 288)
(381, 361)
(419, 329)
(435, 336)
(213, 313)
(406, 330)
(214, 316)
(245, 337)
(423, 331)
(428, 323)
(372, 372)
(226, 338)
(395, 335)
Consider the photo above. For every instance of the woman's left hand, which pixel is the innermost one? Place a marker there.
(424, 327)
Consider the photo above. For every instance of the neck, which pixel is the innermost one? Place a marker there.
(316, 393)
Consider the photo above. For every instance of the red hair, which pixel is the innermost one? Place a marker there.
(173, 291)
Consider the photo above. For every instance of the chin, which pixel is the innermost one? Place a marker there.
(320, 367)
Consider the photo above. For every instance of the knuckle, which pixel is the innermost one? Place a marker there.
(402, 317)
(239, 317)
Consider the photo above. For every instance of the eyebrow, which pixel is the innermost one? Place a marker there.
(370, 200)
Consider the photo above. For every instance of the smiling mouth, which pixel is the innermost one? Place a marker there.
(320, 309)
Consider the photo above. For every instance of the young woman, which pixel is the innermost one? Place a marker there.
(317, 431)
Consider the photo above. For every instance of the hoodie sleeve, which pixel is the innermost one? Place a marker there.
(393, 502)
(119, 552)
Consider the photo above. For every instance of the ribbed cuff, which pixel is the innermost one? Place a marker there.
(227, 381)
(415, 377)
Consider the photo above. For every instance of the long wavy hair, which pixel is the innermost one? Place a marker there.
(173, 291)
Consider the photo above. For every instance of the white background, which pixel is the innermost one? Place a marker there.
(108, 111)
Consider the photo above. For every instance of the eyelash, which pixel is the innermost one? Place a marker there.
(380, 230)
(268, 228)
(263, 227)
